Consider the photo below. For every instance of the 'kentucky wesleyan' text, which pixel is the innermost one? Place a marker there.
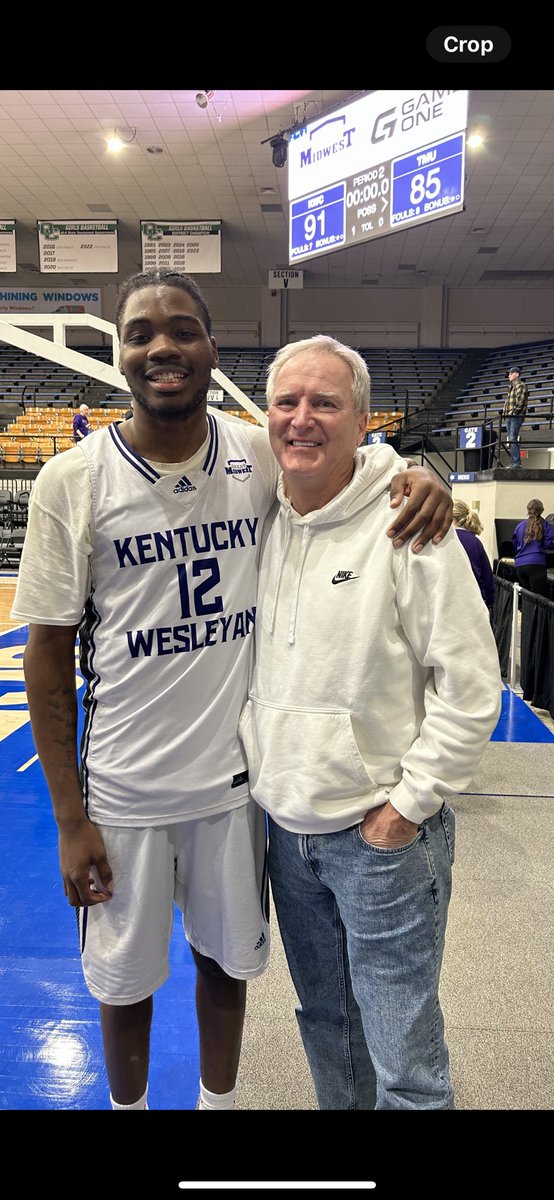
(201, 621)
(189, 539)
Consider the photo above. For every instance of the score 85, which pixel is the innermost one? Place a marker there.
(425, 186)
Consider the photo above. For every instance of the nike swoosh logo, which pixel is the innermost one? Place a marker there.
(344, 578)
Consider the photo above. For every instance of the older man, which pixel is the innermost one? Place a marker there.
(375, 691)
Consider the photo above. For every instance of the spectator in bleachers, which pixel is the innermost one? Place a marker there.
(81, 426)
(468, 527)
(515, 408)
(531, 539)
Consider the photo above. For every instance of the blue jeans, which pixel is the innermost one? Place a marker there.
(363, 930)
(513, 426)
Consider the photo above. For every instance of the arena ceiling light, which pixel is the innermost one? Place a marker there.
(118, 139)
(203, 98)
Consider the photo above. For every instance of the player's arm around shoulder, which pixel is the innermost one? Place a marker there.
(427, 514)
(427, 511)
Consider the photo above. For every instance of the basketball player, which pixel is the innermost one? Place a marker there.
(144, 541)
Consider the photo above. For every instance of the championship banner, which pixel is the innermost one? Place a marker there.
(8, 261)
(77, 246)
(190, 246)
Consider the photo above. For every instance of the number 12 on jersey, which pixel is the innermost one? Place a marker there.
(208, 568)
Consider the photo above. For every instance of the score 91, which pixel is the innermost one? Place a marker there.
(311, 222)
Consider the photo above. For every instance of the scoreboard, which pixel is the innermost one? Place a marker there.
(386, 161)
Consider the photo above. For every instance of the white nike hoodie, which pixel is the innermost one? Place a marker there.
(376, 674)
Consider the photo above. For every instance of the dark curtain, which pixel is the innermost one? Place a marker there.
(502, 621)
(537, 650)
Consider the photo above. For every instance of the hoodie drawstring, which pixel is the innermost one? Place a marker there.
(287, 536)
(306, 533)
(284, 549)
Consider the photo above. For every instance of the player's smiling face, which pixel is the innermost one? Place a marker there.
(313, 427)
(166, 354)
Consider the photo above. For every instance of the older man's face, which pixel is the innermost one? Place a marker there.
(313, 428)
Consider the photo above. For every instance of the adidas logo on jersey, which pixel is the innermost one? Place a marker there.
(238, 467)
(183, 487)
(260, 942)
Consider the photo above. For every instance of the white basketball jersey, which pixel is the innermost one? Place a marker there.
(167, 634)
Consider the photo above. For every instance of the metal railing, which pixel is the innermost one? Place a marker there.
(11, 445)
(422, 445)
(493, 443)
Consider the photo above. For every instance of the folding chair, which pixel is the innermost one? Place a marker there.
(6, 506)
(5, 532)
(11, 545)
(20, 509)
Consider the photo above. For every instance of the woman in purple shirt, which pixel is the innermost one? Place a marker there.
(467, 526)
(531, 539)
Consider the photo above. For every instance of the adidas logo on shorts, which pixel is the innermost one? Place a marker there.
(260, 942)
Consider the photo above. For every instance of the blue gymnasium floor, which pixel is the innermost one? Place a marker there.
(50, 1042)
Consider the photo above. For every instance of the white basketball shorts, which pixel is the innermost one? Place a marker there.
(215, 870)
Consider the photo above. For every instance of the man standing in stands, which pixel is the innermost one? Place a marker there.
(515, 408)
(81, 427)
